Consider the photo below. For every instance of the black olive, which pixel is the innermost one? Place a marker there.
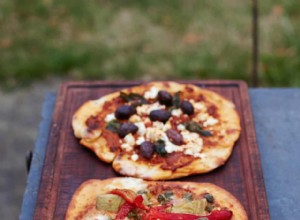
(209, 198)
(187, 107)
(160, 115)
(165, 98)
(147, 149)
(175, 137)
(125, 111)
(127, 128)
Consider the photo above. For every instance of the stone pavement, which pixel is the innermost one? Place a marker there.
(19, 120)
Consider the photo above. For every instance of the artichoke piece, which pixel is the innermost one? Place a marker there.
(196, 207)
(109, 202)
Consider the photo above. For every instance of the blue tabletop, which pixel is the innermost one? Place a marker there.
(277, 125)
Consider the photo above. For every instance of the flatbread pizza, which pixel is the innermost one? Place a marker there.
(159, 130)
(136, 199)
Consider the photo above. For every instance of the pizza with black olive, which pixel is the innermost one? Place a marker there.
(159, 130)
(129, 198)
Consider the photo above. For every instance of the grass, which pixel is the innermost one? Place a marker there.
(146, 39)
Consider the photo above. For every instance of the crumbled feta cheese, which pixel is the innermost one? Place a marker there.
(210, 121)
(157, 131)
(158, 125)
(194, 143)
(153, 134)
(134, 157)
(189, 136)
(180, 127)
(126, 147)
(147, 108)
(141, 128)
(199, 106)
(167, 126)
(135, 118)
(110, 117)
(140, 140)
(202, 116)
(161, 126)
(152, 93)
(129, 142)
(169, 146)
(176, 112)
(127, 182)
(129, 139)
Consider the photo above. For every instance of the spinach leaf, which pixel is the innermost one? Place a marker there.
(159, 147)
(188, 196)
(131, 97)
(113, 126)
(195, 127)
(176, 100)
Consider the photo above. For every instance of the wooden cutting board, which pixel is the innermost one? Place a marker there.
(67, 164)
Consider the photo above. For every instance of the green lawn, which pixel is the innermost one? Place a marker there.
(147, 39)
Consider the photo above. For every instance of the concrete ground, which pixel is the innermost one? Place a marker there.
(19, 120)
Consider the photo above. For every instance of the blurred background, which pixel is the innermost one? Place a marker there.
(45, 42)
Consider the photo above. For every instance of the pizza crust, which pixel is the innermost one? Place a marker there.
(84, 199)
(211, 157)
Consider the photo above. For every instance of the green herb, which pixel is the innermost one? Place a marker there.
(209, 198)
(159, 147)
(142, 192)
(195, 127)
(168, 194)
(176, 100)
(113, 126)
(133, 97)
(202, 218)
(205, 133)
(161, 199)
(188, 196)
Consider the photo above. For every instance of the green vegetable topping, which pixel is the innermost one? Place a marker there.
(109, 202)
(195, 127)
(143, 191)
(161, 199)
(176, 100)
(168, 194)
(159, 147)
(188, 196)
(165, 197)
(209, 198)
(195, 207)
(135, 98)
(113, 126)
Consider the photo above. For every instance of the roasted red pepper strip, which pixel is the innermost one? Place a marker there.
(159, 213)
(130, 197)
(124, 210)
(220, 215)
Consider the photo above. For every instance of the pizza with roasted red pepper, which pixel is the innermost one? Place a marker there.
(159, 130)
(136, 199)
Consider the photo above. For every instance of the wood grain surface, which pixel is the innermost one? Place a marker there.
(67, 164)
